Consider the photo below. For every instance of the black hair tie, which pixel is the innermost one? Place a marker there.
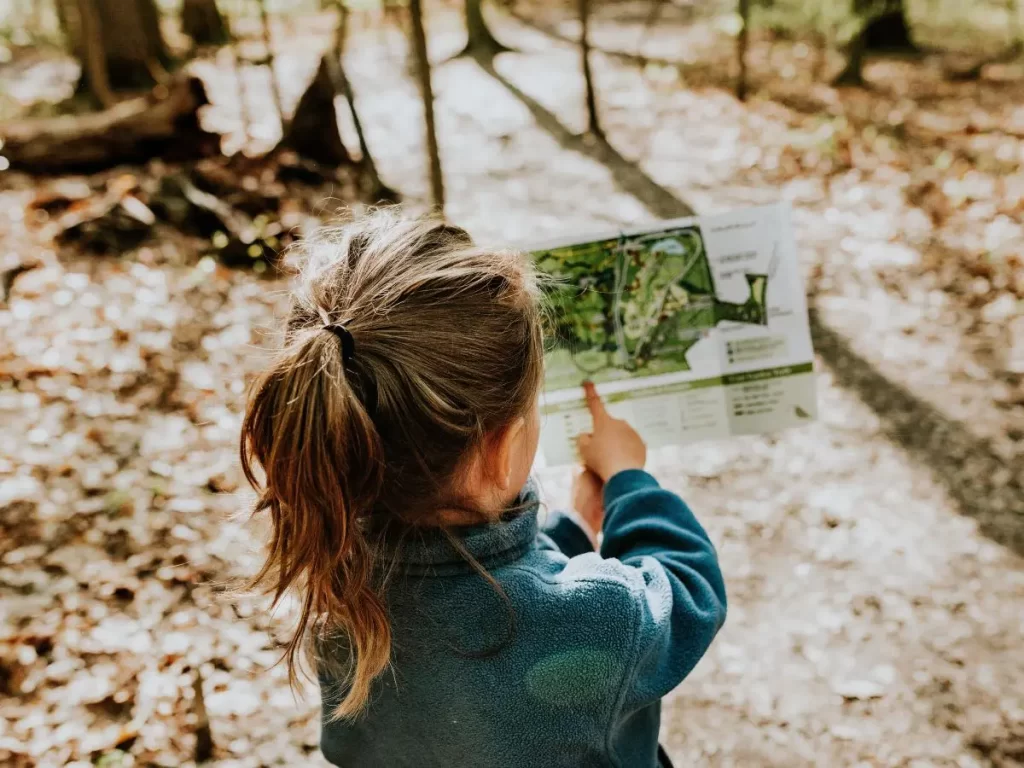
(348, 344)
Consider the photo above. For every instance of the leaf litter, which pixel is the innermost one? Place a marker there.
(870, 623)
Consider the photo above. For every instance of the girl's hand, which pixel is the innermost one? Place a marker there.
(613, 446)
(588, 500)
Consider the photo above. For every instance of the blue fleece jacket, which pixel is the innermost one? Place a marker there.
(566, 668)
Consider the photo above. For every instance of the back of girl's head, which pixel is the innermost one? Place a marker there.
(360, 429)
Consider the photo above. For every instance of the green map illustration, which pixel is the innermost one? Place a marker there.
(634, 305)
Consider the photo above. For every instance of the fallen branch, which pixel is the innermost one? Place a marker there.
(163, 124)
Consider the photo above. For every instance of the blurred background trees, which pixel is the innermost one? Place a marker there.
(132, 55)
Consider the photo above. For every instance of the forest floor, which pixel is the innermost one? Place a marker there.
(874, 559)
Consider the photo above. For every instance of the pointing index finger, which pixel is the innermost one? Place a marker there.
(594, 402)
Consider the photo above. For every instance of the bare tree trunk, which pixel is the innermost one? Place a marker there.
(94, 63)
(149, 18)
(380, 191)
(136, 52)
(341, 31)
(313, 130)
(419, 44)
(275, 90)
(201, 21)
(204, 736)
(588, 78)
(127, 36)
(480, 42)
(67, 13)
(741, 49)
(853, 72)
(821, 37)
(884, 30)
(888, 31)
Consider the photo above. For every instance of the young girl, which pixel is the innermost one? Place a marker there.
(395, 433)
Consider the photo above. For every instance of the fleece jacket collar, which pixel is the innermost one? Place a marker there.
(437, 552)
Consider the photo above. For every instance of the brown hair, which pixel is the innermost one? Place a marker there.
(446, 349)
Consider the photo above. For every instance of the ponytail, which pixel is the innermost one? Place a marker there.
(438, 345)
(322, 463)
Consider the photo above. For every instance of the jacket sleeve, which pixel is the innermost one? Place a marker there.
(676, 582)
(567, 533)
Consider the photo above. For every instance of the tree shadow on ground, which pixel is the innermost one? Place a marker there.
(962, 300)
(636, 59)
(627, 175)
(984, 486)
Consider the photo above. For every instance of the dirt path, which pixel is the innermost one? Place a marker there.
(877, 592)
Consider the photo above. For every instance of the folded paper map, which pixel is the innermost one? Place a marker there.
(691, 329)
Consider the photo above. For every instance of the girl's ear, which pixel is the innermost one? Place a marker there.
(502, 453)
